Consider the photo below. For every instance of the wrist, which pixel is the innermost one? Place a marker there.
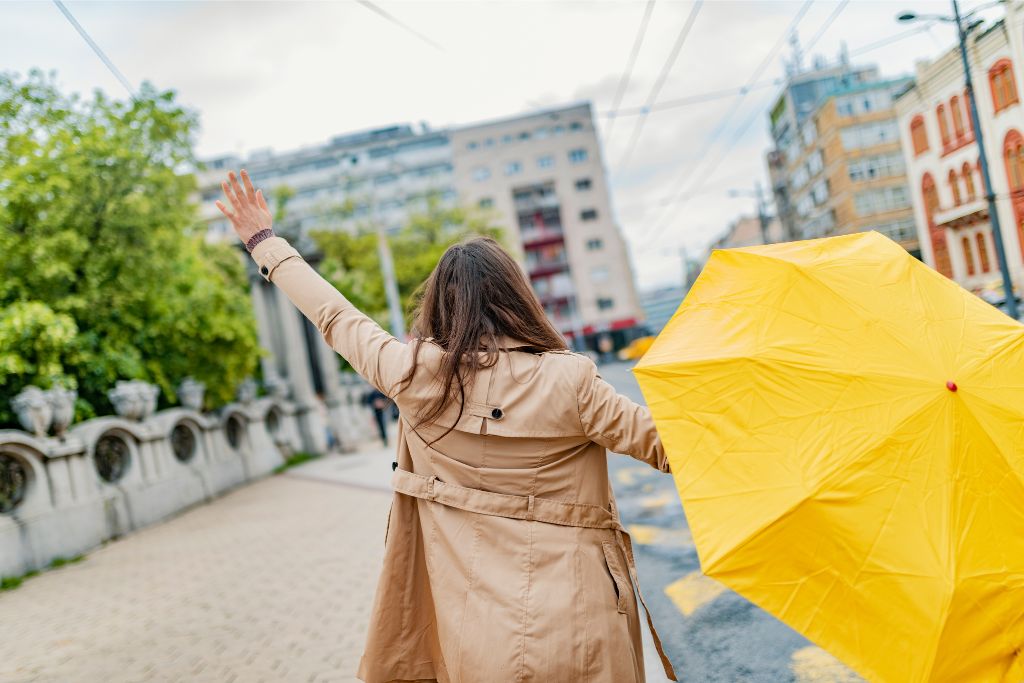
(258, 237)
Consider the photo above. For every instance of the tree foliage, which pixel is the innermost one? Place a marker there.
(104, 274)
(352, 263)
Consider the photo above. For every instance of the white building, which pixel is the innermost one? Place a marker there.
(941, 153)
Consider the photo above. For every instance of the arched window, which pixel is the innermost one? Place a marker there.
(1002, 85)
(958, 116)
(968, 174)
(919, 135)
(982, 251)
(968, 254)
(931, 196)
(1013, 157)
(940, 113)
(954, 187)
(967, 113)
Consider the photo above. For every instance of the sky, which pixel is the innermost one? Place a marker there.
(281, 75)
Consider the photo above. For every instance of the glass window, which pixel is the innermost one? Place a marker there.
(605, 303)
(588, 214)
(546, 161)
(576, 125)
(594, 243)
(869, 134)
(489, 142)
(524, 135)
(513, 168)
(599, 274)
(485, 203)
(505, 139)
(577, 156)
(471, 144)
(583, 184)
(481, 173)
(558, 130)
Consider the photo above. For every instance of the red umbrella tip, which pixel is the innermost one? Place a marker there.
(951, 385)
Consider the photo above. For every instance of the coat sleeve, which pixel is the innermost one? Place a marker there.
(375, 354)
(614, 421)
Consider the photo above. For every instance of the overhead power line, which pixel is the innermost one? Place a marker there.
(825, 26)
(691, 100)
(630, 63)
(398, 22)
(652, 96)
(95, 48)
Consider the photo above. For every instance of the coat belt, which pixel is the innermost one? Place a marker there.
(533, 509)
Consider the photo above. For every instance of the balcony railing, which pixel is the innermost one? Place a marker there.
(542, 267)
(532, 203)
(536, 237)
(969, 212)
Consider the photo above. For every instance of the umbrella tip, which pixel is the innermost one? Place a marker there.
(951, 385)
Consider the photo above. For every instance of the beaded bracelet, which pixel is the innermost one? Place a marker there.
(257, 238)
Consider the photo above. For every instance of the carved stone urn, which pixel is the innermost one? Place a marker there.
(134, 399)
(190, 394)
(246, 392)
(276, 386)
(62, 401)
(33, 409)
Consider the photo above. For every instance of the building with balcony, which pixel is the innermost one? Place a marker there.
(941, 154)
(542, 177)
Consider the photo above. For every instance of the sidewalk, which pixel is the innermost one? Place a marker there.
(272, 582)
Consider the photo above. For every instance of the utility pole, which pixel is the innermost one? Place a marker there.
(762, 211)
(387, 272)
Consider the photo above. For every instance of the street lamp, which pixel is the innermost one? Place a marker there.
(963, 27)
(762, 207)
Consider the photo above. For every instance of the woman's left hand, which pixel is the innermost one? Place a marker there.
(251, 213)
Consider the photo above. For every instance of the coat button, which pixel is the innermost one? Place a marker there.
(264, 270)
(496, 413)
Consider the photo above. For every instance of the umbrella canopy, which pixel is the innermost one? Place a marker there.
(846, 430)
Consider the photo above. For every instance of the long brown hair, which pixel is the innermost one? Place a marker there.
(476, 294)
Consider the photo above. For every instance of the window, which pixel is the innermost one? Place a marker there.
(489, 142)
(869, 134)
(485, 203)
(968, 254)
(1013, 157)
(506, 139)
(815, 163)
(954, 188)
(513, 168)
(919, 135)
(588, 215)
(558, 130)
(881, 199)
(1001, 83)
(577, 156)
(524, 135)
(594, 244)
(819, 193)
(599, 274)
(575, 125)
(968, 174)
(901, 231)
(605, 303)
(940, 113)
(930, 195)
(481, 173)
(958, 116)
(546, 161)
(583, 184)
(471, 145)
(541, 133)
(878, 166)
(809, 134)
(982, 251)
(385, 179)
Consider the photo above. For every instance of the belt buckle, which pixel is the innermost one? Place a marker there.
(431, 491)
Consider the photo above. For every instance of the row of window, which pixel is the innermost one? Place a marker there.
(869, 134)
(538, 134)
(576, 156)
(864, 103)
(881, 199)
(966, 177)
(982, 253)
(582, 185)
(878, 166)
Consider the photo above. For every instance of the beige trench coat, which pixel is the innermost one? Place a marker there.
(504, 556)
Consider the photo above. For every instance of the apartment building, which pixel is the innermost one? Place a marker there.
(942, 156)
(539, 176)
(542, 177)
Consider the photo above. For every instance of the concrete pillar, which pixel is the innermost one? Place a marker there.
(299, 375)
(335, 398)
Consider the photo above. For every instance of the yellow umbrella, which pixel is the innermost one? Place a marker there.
(846, 431)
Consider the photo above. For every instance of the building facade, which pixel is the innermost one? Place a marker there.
(543, 179)
(941, 155)
(838, 166)
(747, 231)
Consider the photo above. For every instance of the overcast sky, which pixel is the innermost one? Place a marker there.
(286, 74)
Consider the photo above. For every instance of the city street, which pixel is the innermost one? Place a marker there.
(711, 633)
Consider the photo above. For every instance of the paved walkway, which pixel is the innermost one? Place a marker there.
(271, 582)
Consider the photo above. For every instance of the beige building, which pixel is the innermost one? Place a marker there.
(542, 177)
(746, 231)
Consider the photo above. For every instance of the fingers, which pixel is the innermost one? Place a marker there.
(239, 193)
(224, 210)
(250, 192)
(262, 201)
(236, 203)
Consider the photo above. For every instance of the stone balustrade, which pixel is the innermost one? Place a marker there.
(63, 494)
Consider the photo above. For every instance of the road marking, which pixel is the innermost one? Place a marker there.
(692, 592)
(627, 476)
(658, 501)
(813, 665)
(646, 534)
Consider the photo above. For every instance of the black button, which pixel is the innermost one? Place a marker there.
(264, 270)
(394, 466)
(496, 413)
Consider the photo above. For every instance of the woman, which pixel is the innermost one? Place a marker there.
(504, 556)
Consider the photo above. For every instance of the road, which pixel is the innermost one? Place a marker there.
(711, 634)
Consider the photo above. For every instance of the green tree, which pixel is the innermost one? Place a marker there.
(352, 264)
(104, 274)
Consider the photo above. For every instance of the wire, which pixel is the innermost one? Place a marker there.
(691, 100)
(398, 22)
(724, 123)
(660, 81)
(891, 39)
(824, 27)
(96, 48)
(630, 63)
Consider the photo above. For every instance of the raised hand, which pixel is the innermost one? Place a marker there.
(250, 212)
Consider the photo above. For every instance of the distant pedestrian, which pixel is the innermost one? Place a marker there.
(378, 403)
(504, 559)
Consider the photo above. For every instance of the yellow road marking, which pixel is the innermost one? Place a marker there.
(627, 476)
(813, 665)
(645, 534)
(692, 592)
(655, 501)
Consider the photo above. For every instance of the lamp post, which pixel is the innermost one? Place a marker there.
(762, 207)
(962, 30)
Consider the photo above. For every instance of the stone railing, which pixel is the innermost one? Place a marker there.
(65, 493)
